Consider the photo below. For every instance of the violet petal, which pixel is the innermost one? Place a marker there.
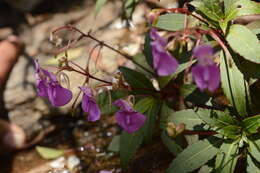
(214, 80)
(90, 106)
(122, 104)
(58, 95)
(202, 51)
(198, 75)
(130, 121)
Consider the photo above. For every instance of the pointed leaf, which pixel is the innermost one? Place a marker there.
(252, 167)
(49, 153)
(195, 156)
(188, 116)
(252, 124)
(170, 22)
(114, 144)
(227, 158)
(233, 84)
(254, 148)
(244, 42)
(139, 83)
(129, 143)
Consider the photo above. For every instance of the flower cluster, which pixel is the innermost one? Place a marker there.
(163, 62)
(49, 87)
(206, 73)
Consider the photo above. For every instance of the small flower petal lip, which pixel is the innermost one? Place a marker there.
(49, 87)
(163, 62)
(127, 118)
(89, 105)
(206, 73)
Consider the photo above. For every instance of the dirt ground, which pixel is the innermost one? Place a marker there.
(85, 143)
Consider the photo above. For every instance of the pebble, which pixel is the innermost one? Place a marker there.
(72, 162)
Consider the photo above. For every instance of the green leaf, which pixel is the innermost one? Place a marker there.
(254, 146)
(210, 8)
(49, 153)
(99, 5)
(173, 147)
(244, 42)
(221, 122)
(252, 167)
(205, 169)
(139, 83)
(251, 124)
(170, 22)
(144, 104)
(233, 84)
(114, 144)
(227, 157)
(188, 116)
(163, 81)
(166, 111)
(150, 107)
(237, 8)
(191, 139)
(105, 100)
(129, 143)
(195, 156)
(140, 59)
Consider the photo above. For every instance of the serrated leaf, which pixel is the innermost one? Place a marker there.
(227, 157)
(49, 153)
(237, 8)
(195, 156)
(170, 22)
(251, 124)
(244, 42)
(220, 121)
(114, 144)
(139, 83)
(129, 143)
(252, 167)
(173, 147)
(99, 5)
(254, 149)
(188, 116)
(210, 8)
(233, 84)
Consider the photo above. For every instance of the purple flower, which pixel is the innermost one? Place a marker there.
(127, 118)
(89, 105)
(163, 62)
(206, 73)
(49, 87)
